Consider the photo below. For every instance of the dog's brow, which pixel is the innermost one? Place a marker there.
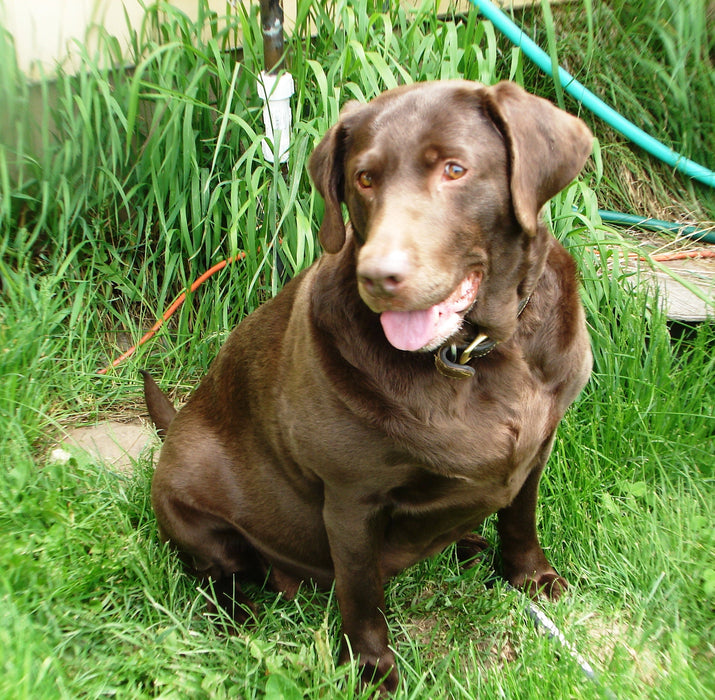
(372, 159)
(431, 155)
(436, 152)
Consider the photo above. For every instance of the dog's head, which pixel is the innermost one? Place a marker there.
(444, 184)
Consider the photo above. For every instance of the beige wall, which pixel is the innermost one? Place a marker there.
(45, 30)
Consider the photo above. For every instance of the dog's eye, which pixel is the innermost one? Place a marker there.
(453, 171)
(364, 179)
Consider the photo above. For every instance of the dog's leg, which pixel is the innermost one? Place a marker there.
(214, 551)
(355, 537)
(523, 561)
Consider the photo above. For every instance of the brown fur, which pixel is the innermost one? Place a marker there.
(313, 449)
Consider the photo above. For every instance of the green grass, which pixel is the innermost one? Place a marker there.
(139, 188)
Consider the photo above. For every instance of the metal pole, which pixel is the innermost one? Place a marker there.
(272, 26)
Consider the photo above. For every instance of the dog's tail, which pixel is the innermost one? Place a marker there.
(161, 410)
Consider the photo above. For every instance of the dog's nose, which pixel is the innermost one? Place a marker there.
(383, 276)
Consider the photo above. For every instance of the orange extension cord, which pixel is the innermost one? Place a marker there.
(170, 311)
(659, 257)
(678, 255)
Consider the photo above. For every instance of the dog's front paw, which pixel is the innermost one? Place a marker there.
(238, 610)
(545, 583)
(383, 670)
(374, 668)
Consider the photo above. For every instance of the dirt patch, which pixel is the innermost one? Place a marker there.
(600, 638)
(435, 635)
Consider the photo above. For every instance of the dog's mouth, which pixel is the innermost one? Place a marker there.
(427, 329)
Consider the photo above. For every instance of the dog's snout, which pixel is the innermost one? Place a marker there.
(383, 275)
(381, 286)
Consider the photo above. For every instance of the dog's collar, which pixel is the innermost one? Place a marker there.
(452, 360)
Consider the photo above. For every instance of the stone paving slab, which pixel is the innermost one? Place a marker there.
(118, 444)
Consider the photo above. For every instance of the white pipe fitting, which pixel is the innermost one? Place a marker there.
(276, 91)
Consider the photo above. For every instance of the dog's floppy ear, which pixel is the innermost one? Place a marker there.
(326, 167)
(547, 147)
(326, 170)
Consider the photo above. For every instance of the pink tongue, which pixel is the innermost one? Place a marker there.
(412, 330)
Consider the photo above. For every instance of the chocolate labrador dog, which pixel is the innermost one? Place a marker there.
(409, 383)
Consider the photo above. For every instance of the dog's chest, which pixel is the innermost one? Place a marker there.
(470, 449)
(488, 444)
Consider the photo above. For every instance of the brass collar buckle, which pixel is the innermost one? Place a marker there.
(451, 360)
